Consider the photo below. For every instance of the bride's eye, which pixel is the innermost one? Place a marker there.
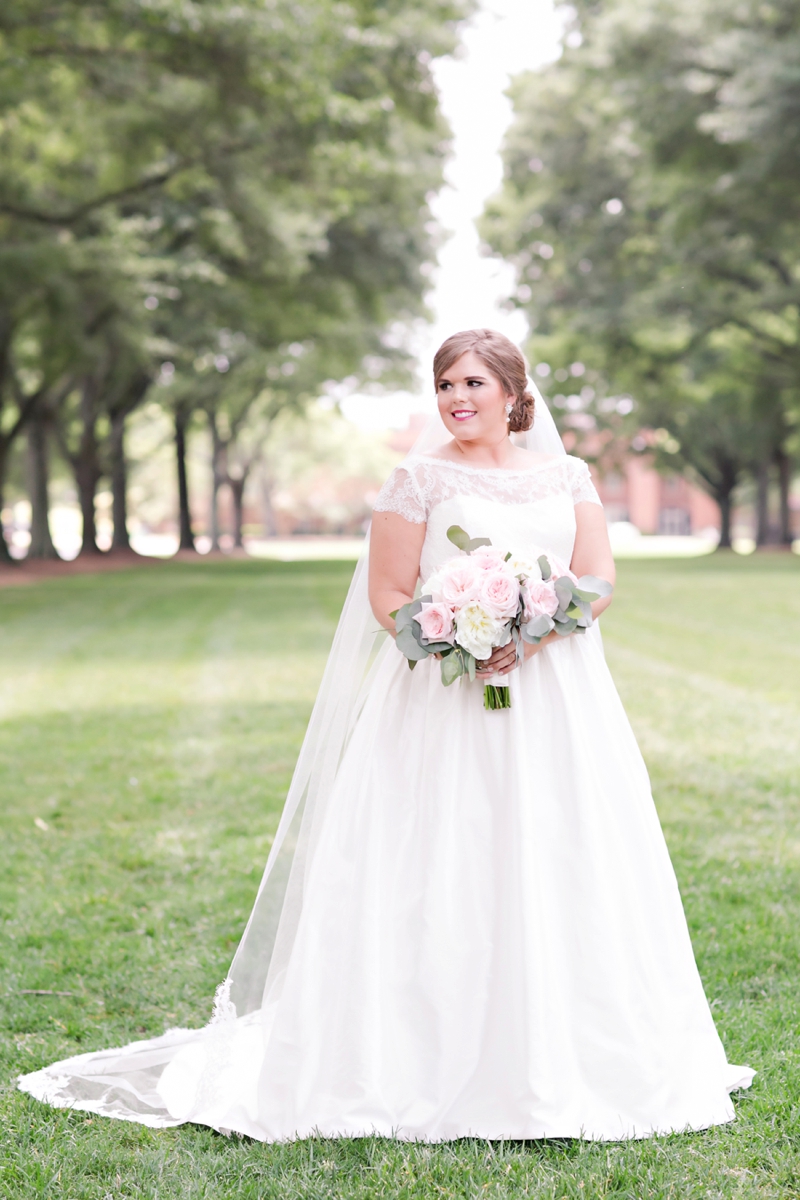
(444, 386)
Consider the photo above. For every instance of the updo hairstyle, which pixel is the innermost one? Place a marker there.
(505, 361)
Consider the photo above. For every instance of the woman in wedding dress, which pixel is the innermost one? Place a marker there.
(469, 924)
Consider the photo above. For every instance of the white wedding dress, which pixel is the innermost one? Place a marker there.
(489, 938)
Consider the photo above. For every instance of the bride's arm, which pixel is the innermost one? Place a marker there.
(394, 554)
(591, 554)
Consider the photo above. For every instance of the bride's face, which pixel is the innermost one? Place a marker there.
(472, 401)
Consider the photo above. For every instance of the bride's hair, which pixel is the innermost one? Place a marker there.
(505, 360)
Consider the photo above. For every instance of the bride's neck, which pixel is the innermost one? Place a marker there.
(480, 453)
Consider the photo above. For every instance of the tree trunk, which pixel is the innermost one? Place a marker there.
(119, 482)
(5, 553)
(721, 483)
(38, 477)
(218, 477)
(87, 486)
(7, 437)
(237, 487)
(87, 468)
(267, 507)
(762, 504)
(213, 516)
(725, 502)
(784, 486)
(186, 537)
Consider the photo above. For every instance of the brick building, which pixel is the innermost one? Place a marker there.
(653, 502)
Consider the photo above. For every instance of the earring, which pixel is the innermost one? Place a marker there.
(509, 407)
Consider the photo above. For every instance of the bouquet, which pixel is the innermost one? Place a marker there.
(485, 598)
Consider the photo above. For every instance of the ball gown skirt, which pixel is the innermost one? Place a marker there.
(491, 942)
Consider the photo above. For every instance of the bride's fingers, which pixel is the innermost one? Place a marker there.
(500, 662)
(499, 656)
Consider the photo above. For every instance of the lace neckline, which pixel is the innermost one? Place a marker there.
(548, 462)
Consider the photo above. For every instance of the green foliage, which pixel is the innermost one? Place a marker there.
(208, 186)
(650, 206)
(151, 719)
(460, 538)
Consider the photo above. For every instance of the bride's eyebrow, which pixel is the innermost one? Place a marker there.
(468, 378)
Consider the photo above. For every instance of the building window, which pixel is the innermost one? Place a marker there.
(675, 521)
(615, 511)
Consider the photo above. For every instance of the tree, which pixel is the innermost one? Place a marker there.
(640, 219)
(219, 165)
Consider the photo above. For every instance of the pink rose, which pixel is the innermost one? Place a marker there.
(540, 600)
(488, 558)
(436, 622)
(500, 593)
(461, 581)
(560, 568)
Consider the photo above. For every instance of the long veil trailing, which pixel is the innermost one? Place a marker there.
(255, 975)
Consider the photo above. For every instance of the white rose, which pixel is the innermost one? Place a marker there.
(433, 587)
(478, 632)
(524, 567)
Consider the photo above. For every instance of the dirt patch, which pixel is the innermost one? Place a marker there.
(36, 570)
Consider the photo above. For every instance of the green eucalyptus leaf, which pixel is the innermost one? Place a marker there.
(544, 567)
(452, 668)
(402, 618)
(471, 666)
(476, 542)
(564, 588)
(537, 627)
(405, 615)
(407, 644)
(459, 537)
(580, 609)
(591, 583)
(565, 627)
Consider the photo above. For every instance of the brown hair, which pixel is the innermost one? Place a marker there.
(505, 360)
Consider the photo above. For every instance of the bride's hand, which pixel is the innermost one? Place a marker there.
(505, 659)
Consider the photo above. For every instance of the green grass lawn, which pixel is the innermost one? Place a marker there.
(150, 720)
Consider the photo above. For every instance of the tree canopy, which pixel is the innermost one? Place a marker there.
(179, 177)
(650, 206)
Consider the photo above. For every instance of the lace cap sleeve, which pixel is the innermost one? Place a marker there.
(583, 490)
(401, 494)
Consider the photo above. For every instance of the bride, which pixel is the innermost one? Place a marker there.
(469, 924)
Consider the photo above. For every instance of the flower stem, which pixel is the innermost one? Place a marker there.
(496, 697)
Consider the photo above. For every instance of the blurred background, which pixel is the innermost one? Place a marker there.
(232, 237)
